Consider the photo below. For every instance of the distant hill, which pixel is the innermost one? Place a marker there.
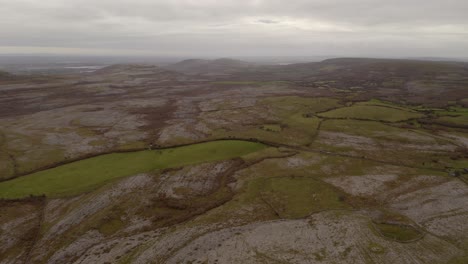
(361, 68)
(397, 80)
(5, 75)
(136, 73)
(128, 68)
(376, 64)
(393, 64)
(136, 70)
(210, 67)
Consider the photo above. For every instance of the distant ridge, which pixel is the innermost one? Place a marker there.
(218, 66)
(6, 75)
(351, 70)
(118, 68)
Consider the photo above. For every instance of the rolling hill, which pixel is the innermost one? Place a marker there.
(210, 67)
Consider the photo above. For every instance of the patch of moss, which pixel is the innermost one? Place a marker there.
(376, 248)
(292, 120)
(294, 197)
(271, 128)
(38, 158)
(111, 226)
(377, 102)
(386, 143)
(7, 169)
(401, 233)
(265, 153)
(85, 132)
(459, 259)
(372, 112)
(133, 145)
(287, 134)
(320, 255)
(98, 142)
(457, 120)
(287, 105)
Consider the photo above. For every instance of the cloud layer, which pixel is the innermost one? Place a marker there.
(237, 27)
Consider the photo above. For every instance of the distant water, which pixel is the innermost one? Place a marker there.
(51, 68)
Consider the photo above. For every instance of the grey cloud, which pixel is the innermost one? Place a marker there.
(238, 27)
(267, 21)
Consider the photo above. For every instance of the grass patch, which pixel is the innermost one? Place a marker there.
(38, 158)
(287, 105)
(85, 175)
(297, 135)
(98, 142)
(377, 102)
(374, 112)
(85, 132)
(249, 132)
(380, 131)
(401, 233)
(268, 184)
(294, 197)
(133, 145)
(453, 110)
(271, 128)
(302, 121)
(459, 260)
(7, 168)
(111, 226)
(387, 143)
(265, 153)
(292, 120)
(376, 248)
(452, 116)
(459, 121)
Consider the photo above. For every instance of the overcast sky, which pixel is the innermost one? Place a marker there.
(385, 28)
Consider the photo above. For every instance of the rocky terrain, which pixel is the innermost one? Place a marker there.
(339, 161)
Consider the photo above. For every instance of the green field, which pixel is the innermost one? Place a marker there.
(398, 232)
(287, 105)
(293, 197)
(371, 112)
(297, 198)
(85, 175)
(453, 116)
(461, 121)
(376, 102)
(377, 131)
(271, 128)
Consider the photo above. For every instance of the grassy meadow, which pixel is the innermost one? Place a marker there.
(372, 112)
(85, 175)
